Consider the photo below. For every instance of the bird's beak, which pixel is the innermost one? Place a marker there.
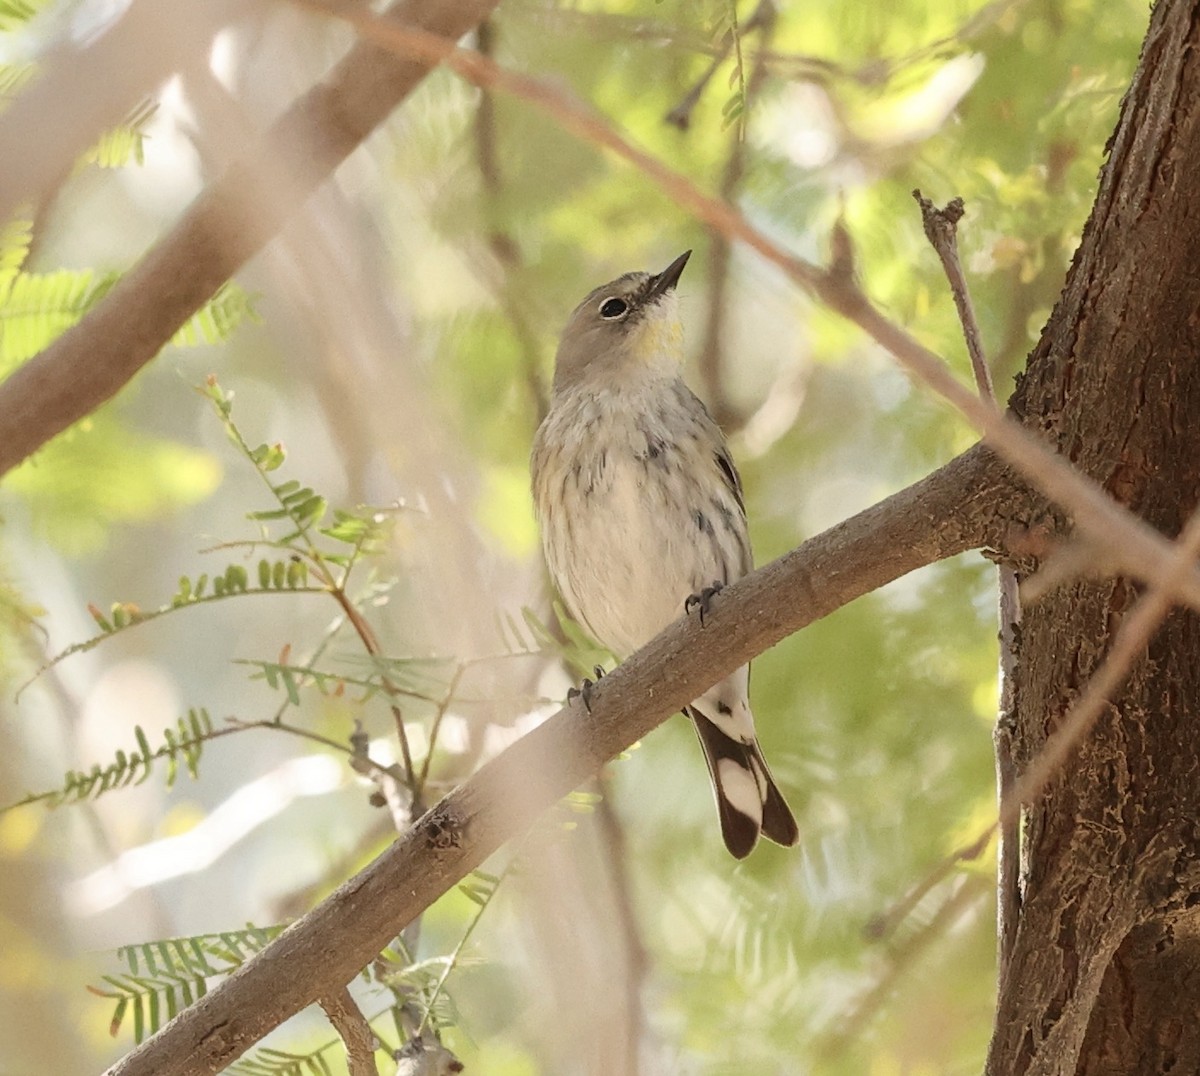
(669, 277)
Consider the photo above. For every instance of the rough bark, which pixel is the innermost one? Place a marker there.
(1105, 974)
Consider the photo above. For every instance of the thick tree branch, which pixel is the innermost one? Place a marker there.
(217, 235)
(952, 510)
(1111, 841)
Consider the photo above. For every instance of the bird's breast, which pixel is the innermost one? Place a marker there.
(627, 527)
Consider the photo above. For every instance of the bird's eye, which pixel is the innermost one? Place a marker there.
(613, 308)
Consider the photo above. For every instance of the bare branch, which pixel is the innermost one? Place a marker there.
(941, 229)
(884, 925)
(349, 1022)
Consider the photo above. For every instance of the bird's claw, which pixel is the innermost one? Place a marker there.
(585, 689)
(702, 600)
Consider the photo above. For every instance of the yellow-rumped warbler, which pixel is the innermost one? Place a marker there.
(641, 510)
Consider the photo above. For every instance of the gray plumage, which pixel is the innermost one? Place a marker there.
(640, 506)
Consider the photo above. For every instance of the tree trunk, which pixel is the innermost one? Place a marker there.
(1105, 972)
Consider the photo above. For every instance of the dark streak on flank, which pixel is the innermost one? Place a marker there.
(726, 514)
(596, 475)
(656, 450)
(729, 472)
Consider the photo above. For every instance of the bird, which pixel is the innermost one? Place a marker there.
(642, 516)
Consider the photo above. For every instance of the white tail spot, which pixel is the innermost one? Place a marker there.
(740, 788)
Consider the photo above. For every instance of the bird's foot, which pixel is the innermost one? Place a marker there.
(702, 600)
(584, 691)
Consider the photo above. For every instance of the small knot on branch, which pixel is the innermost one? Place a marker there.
(941, 225)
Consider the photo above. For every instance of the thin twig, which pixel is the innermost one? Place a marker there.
(636, 959)
(435, 726)
(941, 229)
(366, 635)
(903, 957)
(456, 954)
(883, 926)
(681, 115)
(1008, 851)
(234, 724)
(349, 1022)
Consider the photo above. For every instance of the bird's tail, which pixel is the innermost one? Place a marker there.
(748, 800)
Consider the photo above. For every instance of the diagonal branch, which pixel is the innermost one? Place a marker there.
(217, 235)
(946, 513)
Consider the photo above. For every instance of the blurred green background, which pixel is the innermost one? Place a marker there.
(398, 341)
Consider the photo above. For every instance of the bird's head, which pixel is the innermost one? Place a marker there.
(624, 328)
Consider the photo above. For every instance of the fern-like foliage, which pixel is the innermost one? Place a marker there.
(275, 576)
(311, 546)
(216, 321)
(125, 143)
(734, 109)
(531, 635)
(267, 1062)
(15, 238)
(181, 744)
(427, 979)
(37, 308)
(300, 508)
(16, 13)
(163, 977)
(13, 76)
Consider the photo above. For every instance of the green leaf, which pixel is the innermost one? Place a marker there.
(218, 319)
(14, 13)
